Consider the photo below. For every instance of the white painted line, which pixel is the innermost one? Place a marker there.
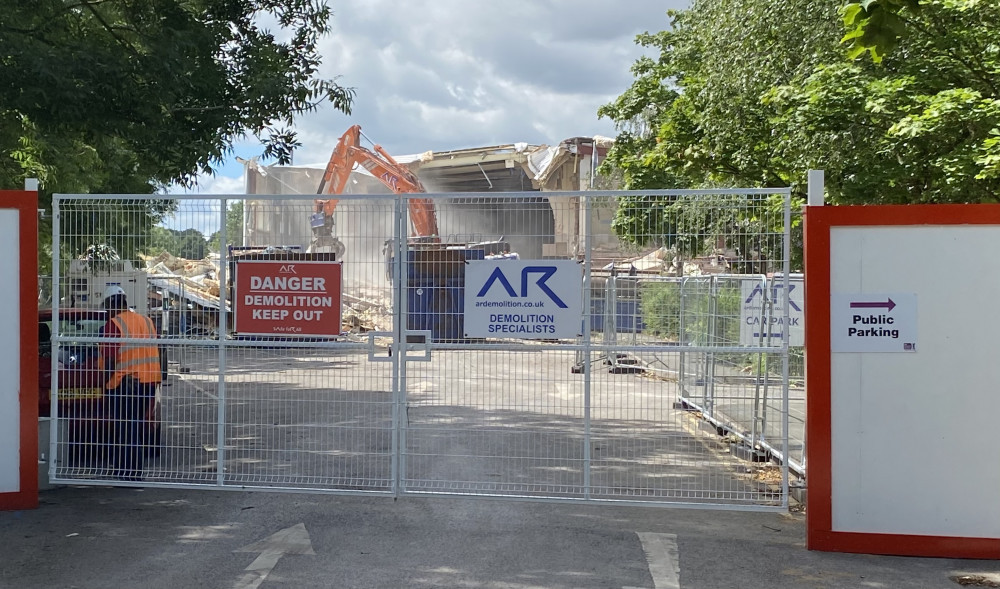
(293, 540)
(662, 558)
(191, 383)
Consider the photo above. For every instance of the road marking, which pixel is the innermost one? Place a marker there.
(293, 540)
(191, 383)
(662, 558)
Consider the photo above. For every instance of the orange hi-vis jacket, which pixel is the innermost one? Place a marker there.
(138, 360)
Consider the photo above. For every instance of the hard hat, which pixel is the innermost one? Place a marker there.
(112, 290)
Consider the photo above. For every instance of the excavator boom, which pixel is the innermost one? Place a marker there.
(395, 176)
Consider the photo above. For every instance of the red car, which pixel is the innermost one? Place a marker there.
(81, 387)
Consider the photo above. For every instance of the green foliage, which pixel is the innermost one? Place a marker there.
(234, 227)
(129, 96)
(875, 26)
(697, 225)
(661, 307)
(917, 129)
(189, 244)
(169, 83)
(707, 314)
(754, 93)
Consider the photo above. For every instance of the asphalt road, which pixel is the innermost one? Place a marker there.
(476, 421)
(166, 537)
(112, 537)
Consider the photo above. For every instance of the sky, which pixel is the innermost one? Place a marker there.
(453, 74)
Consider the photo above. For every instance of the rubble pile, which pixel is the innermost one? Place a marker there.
(200, 275)
(663, 262)
(367, 310)
(363, 309)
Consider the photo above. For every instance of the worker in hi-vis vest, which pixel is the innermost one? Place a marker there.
(131, 374)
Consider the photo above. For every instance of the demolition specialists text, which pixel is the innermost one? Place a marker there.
(872, 326)
(300, 298)
(518, 323)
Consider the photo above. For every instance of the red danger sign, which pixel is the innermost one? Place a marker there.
(287, 298)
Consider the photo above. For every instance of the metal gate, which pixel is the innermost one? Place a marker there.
(416, 390)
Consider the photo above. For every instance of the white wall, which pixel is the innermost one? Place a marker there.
(915, 435)
(10, 343)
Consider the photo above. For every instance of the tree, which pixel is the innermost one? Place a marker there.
(702, 120)
(922, 127)
(693, 118)
(234, 227)
(189, 244)
(754, 93)
(876, 26)
(128, 96)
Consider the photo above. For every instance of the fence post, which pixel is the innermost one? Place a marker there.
(713, 309)
(221, 330)
(760, 406)
(681, 376)
(815, 188)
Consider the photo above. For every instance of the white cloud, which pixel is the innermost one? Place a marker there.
(452, 74)
(203, 213)
(223, 185)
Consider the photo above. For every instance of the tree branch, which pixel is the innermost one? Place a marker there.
(111, 30)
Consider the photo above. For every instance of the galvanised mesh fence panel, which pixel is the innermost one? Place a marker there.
(596, 414)
(264, 342)
(508, 345)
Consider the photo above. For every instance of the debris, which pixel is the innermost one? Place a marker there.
(976, 581)
(364, 314)
(768, 475)
(197, 281)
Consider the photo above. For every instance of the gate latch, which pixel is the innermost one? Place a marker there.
(416, 340)
(372, 350)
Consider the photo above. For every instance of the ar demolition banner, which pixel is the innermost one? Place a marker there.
(287, 298)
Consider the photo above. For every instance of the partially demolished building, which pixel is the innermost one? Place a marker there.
(556, 221)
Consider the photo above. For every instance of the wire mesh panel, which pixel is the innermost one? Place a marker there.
(598, 412)
(263, 322)
(684, 325)
(495, 420)
(549, 345)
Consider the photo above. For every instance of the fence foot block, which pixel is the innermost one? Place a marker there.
(747, 453)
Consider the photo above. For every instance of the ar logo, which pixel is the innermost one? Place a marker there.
(546, 273)
(287, 269)
(757, 290)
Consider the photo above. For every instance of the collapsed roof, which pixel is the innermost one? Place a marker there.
(514, 167)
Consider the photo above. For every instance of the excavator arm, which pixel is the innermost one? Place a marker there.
(397, 177)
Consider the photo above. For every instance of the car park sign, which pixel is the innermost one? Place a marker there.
(758, 322)
(523, 299)
(287, 298)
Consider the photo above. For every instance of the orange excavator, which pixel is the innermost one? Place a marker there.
(397, 177)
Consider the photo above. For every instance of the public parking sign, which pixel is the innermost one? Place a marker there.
(523, 299)
(289, 298)
(873, 322)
